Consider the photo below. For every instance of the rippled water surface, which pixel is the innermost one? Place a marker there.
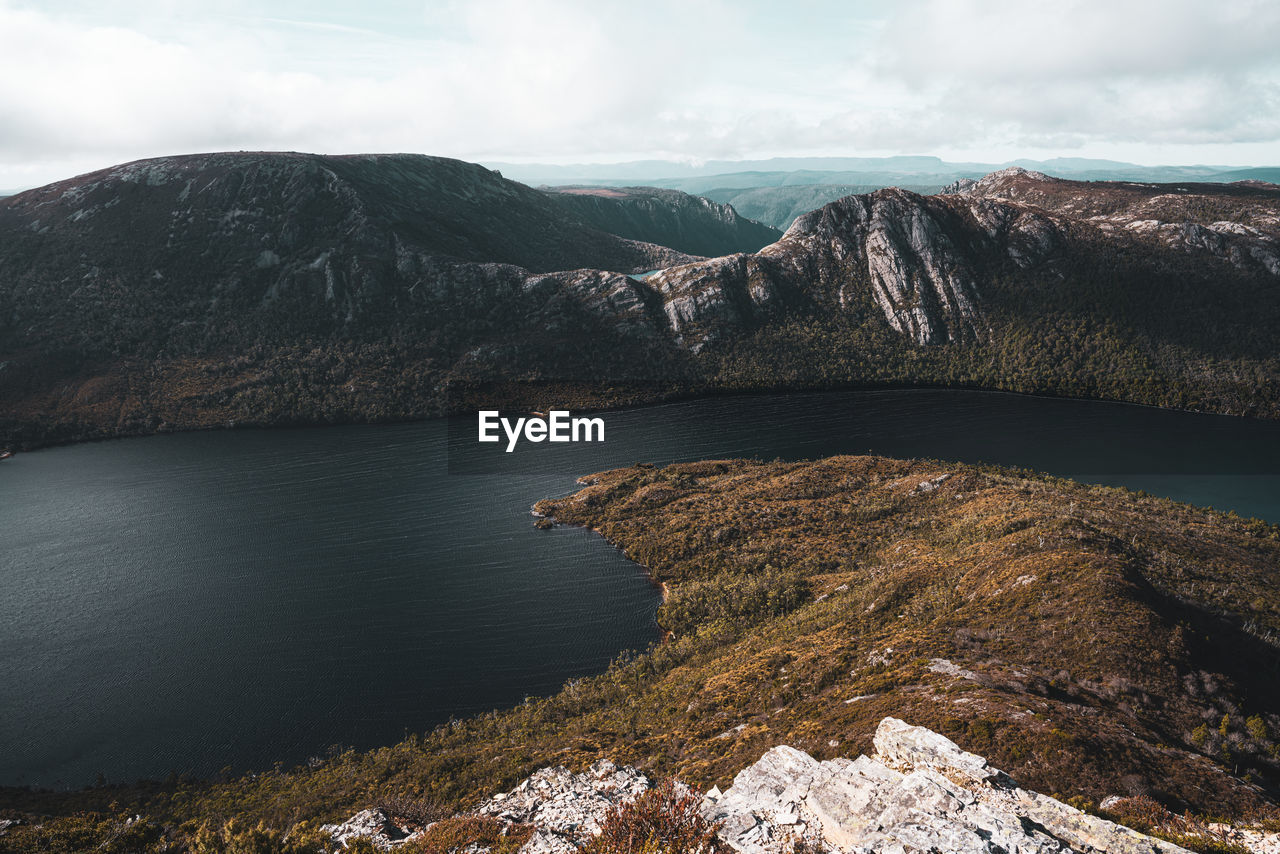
(194, 601)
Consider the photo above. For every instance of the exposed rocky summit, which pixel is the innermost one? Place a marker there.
(671, 218)
(1238, 222)
(918, 792)
(929, 262)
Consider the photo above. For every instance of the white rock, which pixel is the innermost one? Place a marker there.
(920, 792)
(374, 825)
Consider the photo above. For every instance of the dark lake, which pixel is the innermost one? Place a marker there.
(195, 601)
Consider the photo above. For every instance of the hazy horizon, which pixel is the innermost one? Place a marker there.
(87, 85)
(688, 169)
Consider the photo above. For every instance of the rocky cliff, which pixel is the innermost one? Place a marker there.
(917, 792)
(671, 218)
(930, 262)
(918, 259)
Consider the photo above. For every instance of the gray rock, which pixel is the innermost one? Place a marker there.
(920, 792)
(372, 824)
(566, 808)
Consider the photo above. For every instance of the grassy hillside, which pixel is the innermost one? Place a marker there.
(1088, 640)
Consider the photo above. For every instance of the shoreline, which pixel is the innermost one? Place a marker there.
(91, 433)
(664, 587)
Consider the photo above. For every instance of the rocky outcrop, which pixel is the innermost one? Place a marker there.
(566, 809)
(371, 824)
(918, 792)
(919, 260)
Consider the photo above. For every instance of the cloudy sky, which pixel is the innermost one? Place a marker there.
(88, 84)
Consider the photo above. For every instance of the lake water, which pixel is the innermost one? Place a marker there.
(195, 601)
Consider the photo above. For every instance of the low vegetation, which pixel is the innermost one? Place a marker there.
(665, 819)
(1088, 640)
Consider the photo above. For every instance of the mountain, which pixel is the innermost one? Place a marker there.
(447, 208)
(272, 289)
(868, 181)
(649, 171)
(1270, 175)
(174, 291)
(1018, 281)
(671, 218)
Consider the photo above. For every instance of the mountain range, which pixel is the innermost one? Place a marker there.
(247, 288)
(663, 173)
(1097, 643)
(777, 190)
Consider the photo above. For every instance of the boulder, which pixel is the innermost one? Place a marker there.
(919, 792)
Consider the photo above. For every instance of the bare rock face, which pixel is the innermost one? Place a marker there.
(919, 792)
(566, 809)
(917, 275)
(920, 259)
(372, 824)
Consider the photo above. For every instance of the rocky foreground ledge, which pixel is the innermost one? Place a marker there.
(918, 792)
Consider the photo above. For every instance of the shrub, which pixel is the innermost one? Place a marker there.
(663, 820)
(235, 837)
(1148, 816)
(88, 832)
(454, 834)
(743, 600)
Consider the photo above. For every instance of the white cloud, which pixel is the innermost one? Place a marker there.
(1073, 72)
(576, 80)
